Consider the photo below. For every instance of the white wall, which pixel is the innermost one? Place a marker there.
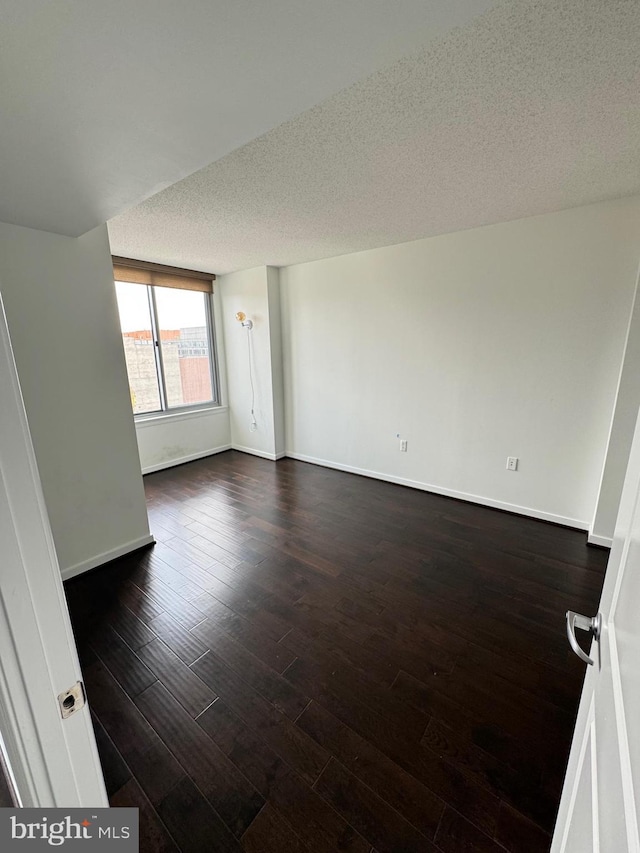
(504, 340)
(61, 310)
(173, 439)
(176, 438)
(256, 292)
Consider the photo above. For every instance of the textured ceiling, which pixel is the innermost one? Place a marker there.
(105, 102)
(532, 107)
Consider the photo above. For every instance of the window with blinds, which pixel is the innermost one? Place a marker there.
(166, 319)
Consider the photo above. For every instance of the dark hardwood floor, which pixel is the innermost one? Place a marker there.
(6, 798)
(313, 661)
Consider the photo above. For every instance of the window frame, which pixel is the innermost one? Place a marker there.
(165, 410)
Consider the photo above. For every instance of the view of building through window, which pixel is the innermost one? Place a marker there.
(176, 322)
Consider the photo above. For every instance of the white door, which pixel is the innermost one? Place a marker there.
(600, 800)
(53, 761)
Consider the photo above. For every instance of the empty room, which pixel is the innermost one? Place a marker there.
(320, 471)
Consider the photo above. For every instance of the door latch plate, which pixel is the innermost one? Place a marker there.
(72, 700)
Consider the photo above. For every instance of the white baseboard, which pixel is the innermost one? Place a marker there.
(106, 557)
(170, 463)
(450, 493)
(602, 541)
(262, 453)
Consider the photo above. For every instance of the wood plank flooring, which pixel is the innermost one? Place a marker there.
(6, 799)
(311, 661)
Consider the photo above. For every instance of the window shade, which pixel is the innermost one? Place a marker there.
(144, 272)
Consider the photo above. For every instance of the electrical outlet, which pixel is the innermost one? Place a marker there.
(403, 445)
(512, 463)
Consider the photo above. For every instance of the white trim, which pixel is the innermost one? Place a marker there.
(595, 808)
(142, 421)
(602, 541)
(29, 765)
(612, 423)
(107, 556)
(262, 453)
(191, 457)
(440, 490)
(628, 794)
(576, 762)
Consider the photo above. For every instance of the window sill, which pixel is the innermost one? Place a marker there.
(142, 421)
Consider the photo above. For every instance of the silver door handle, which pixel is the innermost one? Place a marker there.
(577, 620)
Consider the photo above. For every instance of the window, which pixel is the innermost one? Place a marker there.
(167, 332)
